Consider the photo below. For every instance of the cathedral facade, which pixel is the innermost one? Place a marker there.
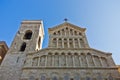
(67, 57)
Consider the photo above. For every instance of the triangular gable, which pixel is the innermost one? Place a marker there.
(66, 24)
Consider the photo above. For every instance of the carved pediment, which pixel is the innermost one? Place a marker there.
(66, 28)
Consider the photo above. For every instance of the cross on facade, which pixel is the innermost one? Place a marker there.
(65, 19)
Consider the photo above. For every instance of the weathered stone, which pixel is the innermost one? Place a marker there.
(67, 57)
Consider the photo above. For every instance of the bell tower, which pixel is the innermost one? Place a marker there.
(28, 39)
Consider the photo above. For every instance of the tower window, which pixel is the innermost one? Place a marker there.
(23, 46)
(28, 34)
(39, 41)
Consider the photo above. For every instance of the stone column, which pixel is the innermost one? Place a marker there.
(31, 61)
(68, 43)
(46, 61)
(59, 58)
(62, 42)
(87, 61)
(73, 60)
(52, 60)
(57, 42)
(39, 61)
(66, 60)
(79, 43)
(73, 41)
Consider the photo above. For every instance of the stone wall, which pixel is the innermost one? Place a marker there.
(70, 73)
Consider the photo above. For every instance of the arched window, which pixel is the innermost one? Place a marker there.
(35, 61)
(54, 42)
(56, 59)
(75, 32)
(31, 78)
(67, 31)
(54, 78)
(97, 60)
(39, 41)
(65, 43)
(28, 34)
(104, 61)
(76, 60)
(62, 59)
(80, 33)
(76, 77)
(71, 32)
(83, 60)
(82, 43)
(66, 77)
(76, 43)
(60, 43)
(59, 33)
(43, 77)
(23, 46)
(88, 78)
(63, 32)
(54, 33)
(70, 43)
(99, 76)
(42, 60)
(49, 59)
(90, 60)
(110, 77)
(70, 60)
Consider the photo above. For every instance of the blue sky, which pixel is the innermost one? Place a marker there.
(100, 17)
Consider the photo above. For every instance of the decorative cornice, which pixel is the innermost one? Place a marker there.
(38, 67)
(45, 49)
(66, 24)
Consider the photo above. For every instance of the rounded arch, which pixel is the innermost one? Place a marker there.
(76, 54)
(58, 32)
(88, 53)
(54, 39)
(80, 33)
(49, 53)
(82, 54)
(56, 53)
(104, 61)
(28, 34)
(90, 59)
(23, 46)
(65, 39)
(54, 42)
(76, 76)
(35, 61)
(43, 76)
(62, 53)
(54, 33)
(66, 28)
(75, 32)
(54, 76)
(31, 78)
(69, 53)
(66, 76)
